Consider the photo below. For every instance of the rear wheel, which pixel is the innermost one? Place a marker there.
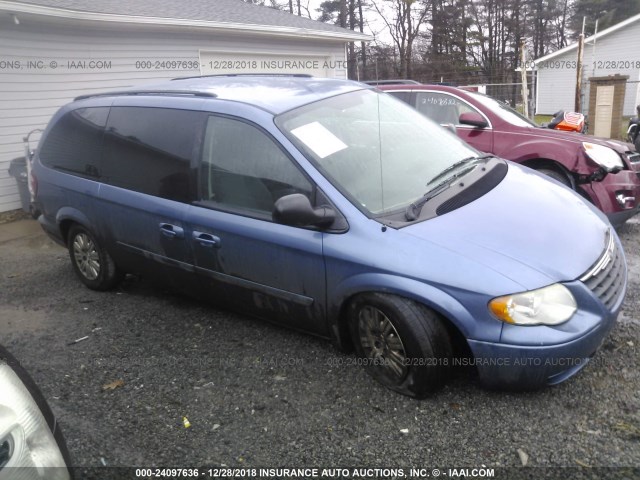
(556, 175)
(91, 262)
(403, 344)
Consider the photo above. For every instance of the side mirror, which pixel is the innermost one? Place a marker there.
(29, 436)
(474, 119)
(296, 210)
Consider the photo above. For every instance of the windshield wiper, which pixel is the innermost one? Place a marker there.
(457, 164)
(413, 210)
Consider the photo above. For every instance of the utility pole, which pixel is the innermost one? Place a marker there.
(523, 72)
(578, 99)
(593, 52)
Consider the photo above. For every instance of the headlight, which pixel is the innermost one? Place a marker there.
(603, 156)
(546, 306)
(25, 437)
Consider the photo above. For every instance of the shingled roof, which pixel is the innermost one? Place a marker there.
(218, 14)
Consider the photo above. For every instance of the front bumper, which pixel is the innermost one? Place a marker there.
(603, 194)
(618, 219)
(529, 367)
(531, 357)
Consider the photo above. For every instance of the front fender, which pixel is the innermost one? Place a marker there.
(563, 153)
(430, 296)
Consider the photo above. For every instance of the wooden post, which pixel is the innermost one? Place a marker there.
(578, 100)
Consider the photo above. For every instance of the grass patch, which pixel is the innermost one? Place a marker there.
(540, 119)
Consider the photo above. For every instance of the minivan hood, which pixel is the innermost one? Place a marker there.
(530, 229)
(576, 137)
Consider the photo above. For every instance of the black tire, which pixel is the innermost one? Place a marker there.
(637, 143)
(556, 175)
(412, 355)
(92, 263)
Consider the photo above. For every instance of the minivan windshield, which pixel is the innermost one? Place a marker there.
(379, 152)
(503, 110)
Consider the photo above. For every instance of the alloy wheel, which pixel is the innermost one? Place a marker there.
(381, 343)
(86, 256)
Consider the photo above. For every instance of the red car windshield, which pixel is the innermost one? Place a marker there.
(504, 111)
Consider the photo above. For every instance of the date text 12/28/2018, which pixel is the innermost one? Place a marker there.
(306, 473)
(573, 64)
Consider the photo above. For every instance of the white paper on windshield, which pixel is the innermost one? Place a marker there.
(315, 136)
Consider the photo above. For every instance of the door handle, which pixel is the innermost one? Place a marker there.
(206, 239)
(171, 231)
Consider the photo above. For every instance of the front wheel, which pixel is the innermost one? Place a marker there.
(404, 345)
(91, 262)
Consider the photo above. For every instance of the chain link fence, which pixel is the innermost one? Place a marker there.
(509, 93)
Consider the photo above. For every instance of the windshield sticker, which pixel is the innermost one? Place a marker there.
(315, 136)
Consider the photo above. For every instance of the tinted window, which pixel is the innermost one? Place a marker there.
(244, 168)
(405, 96)
(74, 143)
(441, 107)
(149, 150)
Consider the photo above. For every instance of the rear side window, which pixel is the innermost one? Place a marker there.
(442, 107)
(404, 95)
(74, 143)
(149, 150)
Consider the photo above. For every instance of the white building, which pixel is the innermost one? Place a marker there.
(54, 50)
(615, 50)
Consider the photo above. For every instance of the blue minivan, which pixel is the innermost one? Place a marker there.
(330, 207)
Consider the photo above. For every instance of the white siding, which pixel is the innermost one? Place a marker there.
(30, 95)
(557, 85)
(556, 89)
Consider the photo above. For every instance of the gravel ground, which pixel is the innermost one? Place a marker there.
(258, 395)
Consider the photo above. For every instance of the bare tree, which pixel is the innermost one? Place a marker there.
(347, 14)
(461, 41)
(363, 50)
(403, 19)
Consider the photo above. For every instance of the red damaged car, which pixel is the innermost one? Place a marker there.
(605, 172)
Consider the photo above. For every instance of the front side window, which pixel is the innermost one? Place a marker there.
(380, 152)
(74, 144)
(244, 169)
(149, 150)
(442, 107)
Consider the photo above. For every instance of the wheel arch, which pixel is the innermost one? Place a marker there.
(68, 216)
(435, 299)
(538, 163)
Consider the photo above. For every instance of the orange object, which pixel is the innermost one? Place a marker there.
(570, 122)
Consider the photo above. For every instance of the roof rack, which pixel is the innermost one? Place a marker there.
(391, 82)
(296, 75)
(193, 93)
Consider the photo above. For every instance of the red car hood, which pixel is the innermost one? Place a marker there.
(576, 137)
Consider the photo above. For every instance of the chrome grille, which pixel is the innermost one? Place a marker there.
(606, 277)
